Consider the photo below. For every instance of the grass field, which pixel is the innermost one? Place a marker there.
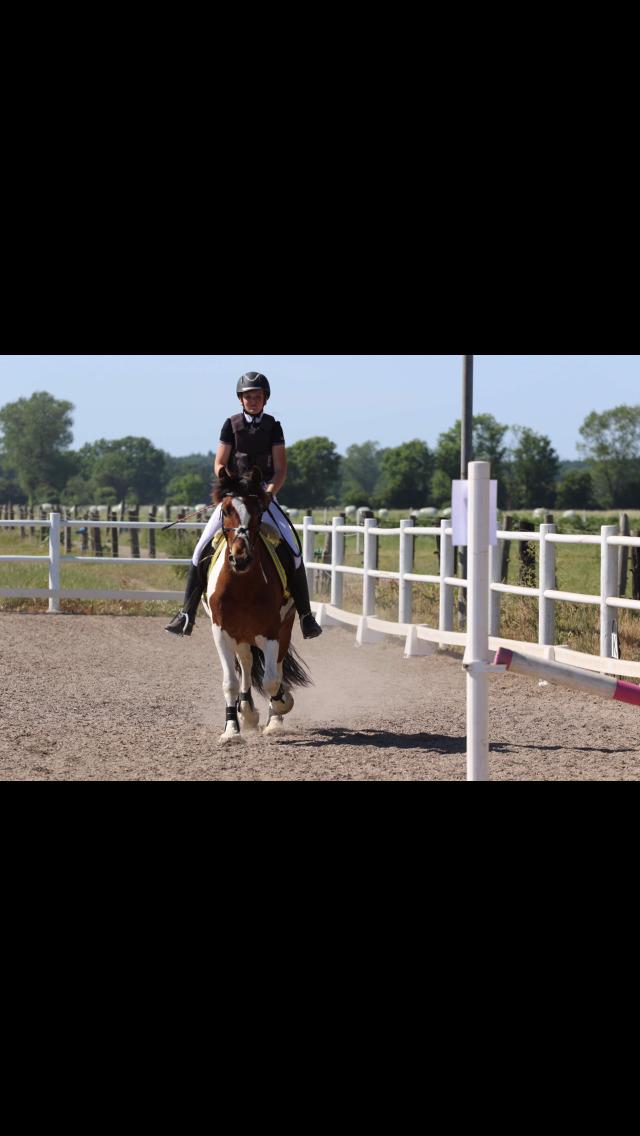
(577, 570)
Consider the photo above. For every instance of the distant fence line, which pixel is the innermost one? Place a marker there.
(88, 526)
(418, 637)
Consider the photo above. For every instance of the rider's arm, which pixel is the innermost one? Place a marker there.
(223, 453)
(279, 455)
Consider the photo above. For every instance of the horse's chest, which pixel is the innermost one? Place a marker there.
(243, 618)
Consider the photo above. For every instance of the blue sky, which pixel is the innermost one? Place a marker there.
(181, 401)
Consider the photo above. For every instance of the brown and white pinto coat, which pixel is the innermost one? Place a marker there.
(245, 600)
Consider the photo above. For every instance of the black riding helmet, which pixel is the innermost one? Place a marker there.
(253, 381)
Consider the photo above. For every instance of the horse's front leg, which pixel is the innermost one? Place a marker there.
(247, 713)
(227, 648)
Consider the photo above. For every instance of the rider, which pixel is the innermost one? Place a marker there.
(251, 438)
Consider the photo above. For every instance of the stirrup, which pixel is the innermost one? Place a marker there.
(181, 624)
(310, 629)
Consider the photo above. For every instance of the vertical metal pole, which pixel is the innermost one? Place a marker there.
(466, 435)
(477, 652)
(466, 455)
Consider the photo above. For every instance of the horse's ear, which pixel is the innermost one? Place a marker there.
(255, 478)
(222, 486)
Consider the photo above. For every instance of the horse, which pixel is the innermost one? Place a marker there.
(251, 617)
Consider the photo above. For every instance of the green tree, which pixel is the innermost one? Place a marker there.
(440, 488)
(200, 465)
(575, 490)
(360, 473)
(9, 488)
(405, 475)
(488, 445)
(35, 432)
(534, 469)
(186, 489)
(313, 472)
(131, 467)
(611, 445)
(79, 490)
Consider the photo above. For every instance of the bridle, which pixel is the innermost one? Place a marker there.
(242, 531)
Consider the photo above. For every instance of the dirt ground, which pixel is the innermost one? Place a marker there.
(107, 698)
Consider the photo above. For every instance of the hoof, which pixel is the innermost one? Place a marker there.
(284, 706)
(275, 725)
(249, 720)
(231, 738)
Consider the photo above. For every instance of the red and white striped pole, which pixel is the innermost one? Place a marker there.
(602, 685)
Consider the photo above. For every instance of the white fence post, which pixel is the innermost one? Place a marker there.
(495, 574)
(445, 618)
(337, 557)
(546, 582)
(307, 546)
(405, 591)
(369, 582)
(476, 655)
(608, 585)
(54, 562)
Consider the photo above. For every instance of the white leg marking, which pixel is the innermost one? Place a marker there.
(247, 714)
(278, 708)
(227, 647)
(270, 648)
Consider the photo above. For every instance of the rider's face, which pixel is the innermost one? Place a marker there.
(253, 401)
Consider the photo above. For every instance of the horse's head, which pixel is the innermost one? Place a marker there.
(243, 502)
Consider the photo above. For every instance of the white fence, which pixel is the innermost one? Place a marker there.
(419, 639)
(55, 557)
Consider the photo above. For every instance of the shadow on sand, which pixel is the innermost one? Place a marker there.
(383, 739)
(432, 743)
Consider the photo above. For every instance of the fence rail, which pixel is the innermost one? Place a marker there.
(370, 628)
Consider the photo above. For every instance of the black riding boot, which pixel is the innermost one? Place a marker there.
(297, 580)
(183, 622)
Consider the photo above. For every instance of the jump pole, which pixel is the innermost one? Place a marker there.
(602, 685)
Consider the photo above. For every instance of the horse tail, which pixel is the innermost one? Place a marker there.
(257, 669)
(294, 671)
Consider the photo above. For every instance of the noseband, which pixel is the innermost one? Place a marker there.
(242, 531)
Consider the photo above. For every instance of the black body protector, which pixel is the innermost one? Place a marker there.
(252, 445)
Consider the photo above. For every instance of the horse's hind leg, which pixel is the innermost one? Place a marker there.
(282, 701)
(227, 651)
(247, 713)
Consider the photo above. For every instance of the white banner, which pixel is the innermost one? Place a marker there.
(460, 511)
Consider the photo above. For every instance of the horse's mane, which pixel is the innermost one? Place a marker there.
(235, 485)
